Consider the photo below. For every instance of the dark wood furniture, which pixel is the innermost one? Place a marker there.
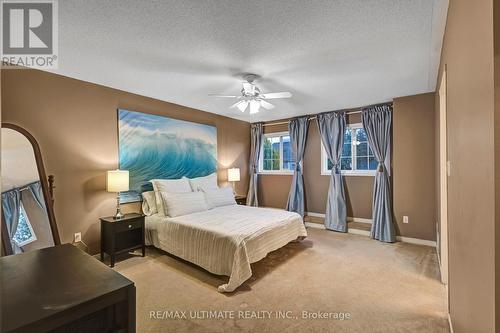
(123, 235)
(63, 289)
(241, 199)
(47, 191)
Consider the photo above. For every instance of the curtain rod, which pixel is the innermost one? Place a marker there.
(309, 119)
(314, 117)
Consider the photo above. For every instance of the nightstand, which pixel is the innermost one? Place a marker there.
(241, 199)
(123, 235)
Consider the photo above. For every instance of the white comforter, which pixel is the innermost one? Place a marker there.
(225, 240)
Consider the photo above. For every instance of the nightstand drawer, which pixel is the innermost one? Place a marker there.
(128, 225)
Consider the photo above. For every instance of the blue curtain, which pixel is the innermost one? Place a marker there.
(298, 135)
(331, 128)
(256, 132)
(11, 202)
(36, 190)
(377, 124)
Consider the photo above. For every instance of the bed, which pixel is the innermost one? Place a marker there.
(225, 240)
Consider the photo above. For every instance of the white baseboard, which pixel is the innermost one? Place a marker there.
(416, 241)
(367, 233)
(349, 219)
(359, 219)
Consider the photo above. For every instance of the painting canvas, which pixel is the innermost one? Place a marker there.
(156, 147)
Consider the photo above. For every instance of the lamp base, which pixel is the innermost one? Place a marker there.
(119, 215)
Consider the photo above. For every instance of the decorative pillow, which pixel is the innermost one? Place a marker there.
(207, 182)
(169, 186)
(178, 204)
(219, 197)
(149, 203)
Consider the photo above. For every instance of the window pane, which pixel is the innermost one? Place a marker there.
(346, 152)
(267, 148)
(373, 163)
(23, 232)
(267, 165)
(276, 164)
(347, 136)
(361, 135)
(362, 163)
(346, 163)
(288, 163)
(275, 148)
(362, 149)
(329, 164)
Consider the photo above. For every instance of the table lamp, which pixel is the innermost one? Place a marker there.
(117, 181)
(233, 175)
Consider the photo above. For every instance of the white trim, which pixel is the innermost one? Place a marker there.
(354, 231)
(349, 218)
(450, 323)
(354, 172)
(359, 219)
(416, 241)
(315, 214)
(281, 171)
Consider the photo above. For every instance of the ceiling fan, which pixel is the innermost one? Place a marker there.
(252, 98)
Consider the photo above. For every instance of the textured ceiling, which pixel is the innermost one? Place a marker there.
(329, 54)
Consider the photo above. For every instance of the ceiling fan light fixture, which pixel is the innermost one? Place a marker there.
(254, 106)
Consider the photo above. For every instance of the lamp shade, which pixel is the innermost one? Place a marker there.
(233, 175)
(117, 181)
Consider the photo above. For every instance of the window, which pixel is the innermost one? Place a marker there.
(276, 154)
(24, 233)
(357, 157)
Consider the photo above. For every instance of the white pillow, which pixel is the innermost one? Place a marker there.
(207, 182)
(219, 197)
(169, 186)
(149, 203)
(178, 204)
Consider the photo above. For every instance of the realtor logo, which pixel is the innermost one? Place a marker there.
(29, 34)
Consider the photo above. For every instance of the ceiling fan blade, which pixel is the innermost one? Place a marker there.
(266, 105)
(284, 94)
(242, 105)
(236, 104)
(226, 96)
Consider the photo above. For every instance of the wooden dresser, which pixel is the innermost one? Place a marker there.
(63, 289)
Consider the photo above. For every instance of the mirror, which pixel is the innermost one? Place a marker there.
(28, 221)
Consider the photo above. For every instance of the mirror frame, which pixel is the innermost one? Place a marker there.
(6, 246)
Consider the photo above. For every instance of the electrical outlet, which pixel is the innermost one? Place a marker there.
(406, 219)
(78, 237)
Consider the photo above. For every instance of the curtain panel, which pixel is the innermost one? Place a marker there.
(331, 128)
(377, 124)
(298, 135)
(11, 202)
(256, 133)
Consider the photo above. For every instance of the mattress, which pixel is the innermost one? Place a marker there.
(225, 240)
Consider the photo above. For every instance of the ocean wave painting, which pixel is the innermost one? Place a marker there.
(158, 147)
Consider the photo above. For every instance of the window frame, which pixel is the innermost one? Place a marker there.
(354, 172)
(30, 227)
(281, 171)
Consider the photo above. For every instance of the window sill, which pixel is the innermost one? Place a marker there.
(278, 173)
(349, 174)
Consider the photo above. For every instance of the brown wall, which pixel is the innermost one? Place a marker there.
(413, 165)
(413, 171)
(75, 124)
(468, 56)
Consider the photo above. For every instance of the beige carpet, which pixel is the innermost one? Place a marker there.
(382, 287)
